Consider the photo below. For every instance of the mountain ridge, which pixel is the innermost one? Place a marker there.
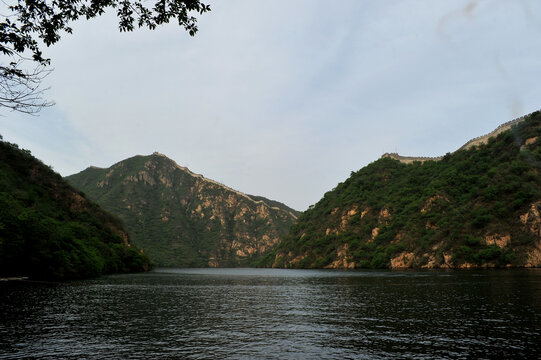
(207, 223)
(479, 140)
(253, 198)
(477, 207)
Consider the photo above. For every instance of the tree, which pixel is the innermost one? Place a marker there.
(32, 23)
(20, 89)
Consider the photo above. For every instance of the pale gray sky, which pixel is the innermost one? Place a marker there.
(285, 98)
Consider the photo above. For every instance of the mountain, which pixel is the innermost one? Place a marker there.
(477, 207)
(184, 219)
(276, 204)
(49, 230)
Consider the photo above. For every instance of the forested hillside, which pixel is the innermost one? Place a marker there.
(184, 219)
(49, 230)
(474, 208)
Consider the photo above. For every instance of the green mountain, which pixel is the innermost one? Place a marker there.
(477, 207)
(183, 219)
(48, 230)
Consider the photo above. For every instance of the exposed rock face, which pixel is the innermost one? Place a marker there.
(433, 201)
(343, 260)
(532, 221)
(403, 260)
(478, 207)
(184, 219)
(500, 241)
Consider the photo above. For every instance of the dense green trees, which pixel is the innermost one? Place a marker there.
(50, 231)
(181, 219)
(448, 205)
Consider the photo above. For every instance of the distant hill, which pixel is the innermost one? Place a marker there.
(477, 207)
(184, 219)
(49, 230)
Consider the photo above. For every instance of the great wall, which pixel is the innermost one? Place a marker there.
(473, 142)
(199, 176)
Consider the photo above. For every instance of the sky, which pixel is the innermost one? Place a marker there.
(285, 98)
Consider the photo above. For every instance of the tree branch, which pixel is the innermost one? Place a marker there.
(21, 90)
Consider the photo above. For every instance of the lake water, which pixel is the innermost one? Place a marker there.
(276, 314)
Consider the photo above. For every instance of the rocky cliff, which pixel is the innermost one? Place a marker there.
(184, 219)
(477, 207)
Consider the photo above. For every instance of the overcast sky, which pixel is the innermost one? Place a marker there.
(285, 98)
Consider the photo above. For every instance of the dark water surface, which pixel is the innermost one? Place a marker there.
(276, 314)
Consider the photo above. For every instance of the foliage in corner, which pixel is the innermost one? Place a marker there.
(31, 23)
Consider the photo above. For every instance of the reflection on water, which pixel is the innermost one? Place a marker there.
(276, 314)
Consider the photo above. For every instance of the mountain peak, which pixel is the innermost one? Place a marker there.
(184, 219)
(254, 198)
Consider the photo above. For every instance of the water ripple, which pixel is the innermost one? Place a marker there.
(275, 314)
